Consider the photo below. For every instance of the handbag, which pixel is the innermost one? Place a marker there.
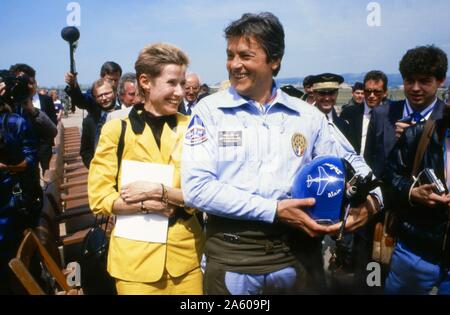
(95, 278)
(384, 240)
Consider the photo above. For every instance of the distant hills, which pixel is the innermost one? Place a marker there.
(394, 80)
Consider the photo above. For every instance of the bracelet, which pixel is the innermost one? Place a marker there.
(164, 197)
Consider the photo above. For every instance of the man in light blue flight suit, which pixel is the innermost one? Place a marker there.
(242, 150)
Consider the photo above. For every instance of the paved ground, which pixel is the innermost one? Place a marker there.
(75, 119)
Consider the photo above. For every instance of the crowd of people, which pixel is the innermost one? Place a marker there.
(232, 224)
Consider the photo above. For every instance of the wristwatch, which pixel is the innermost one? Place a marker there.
(143, 209)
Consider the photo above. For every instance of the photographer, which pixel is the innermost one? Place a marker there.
(20, 192)
(421, 257)
(39, 110)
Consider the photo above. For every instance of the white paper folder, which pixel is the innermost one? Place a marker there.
(144, 227)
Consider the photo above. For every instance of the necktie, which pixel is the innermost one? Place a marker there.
(188, 108)
(100, 124)
(416, 117)
(447, 158)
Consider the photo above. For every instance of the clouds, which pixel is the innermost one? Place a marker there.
(321, 35)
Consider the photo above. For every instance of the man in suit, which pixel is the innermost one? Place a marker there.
(46, 105)
(104, 95)
(110, 71)
(325, 88)
(358, 115)
(191, 90)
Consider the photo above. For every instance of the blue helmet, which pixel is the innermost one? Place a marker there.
(324, 179)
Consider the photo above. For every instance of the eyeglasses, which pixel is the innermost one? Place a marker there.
(375, 92)
(106, 94)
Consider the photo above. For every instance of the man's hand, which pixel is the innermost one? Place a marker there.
(70, 79)
(291, 211)
(399, 127)
(357, 217)
(425, 195)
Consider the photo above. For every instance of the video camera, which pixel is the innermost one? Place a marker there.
(17, 87)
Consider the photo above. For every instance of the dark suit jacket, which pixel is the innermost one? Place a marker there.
(87, 146)
(381, 132)
(182, 107)
(353, 114)
(48, 107)
(341, 124)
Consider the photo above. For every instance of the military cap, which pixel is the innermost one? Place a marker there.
(326, 82)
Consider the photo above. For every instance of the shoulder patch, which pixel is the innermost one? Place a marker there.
(196, 132)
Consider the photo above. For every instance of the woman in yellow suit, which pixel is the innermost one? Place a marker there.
(154, 133)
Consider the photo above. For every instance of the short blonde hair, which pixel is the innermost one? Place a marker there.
(153, 58)
(100, 82)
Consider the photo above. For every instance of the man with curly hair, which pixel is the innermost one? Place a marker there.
(417, 263)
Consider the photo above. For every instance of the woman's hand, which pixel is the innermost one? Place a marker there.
(157, 207)
(140, 191)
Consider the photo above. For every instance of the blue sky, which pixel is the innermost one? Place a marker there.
(321, 35)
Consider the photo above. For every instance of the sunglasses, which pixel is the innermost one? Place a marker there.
(375, 92)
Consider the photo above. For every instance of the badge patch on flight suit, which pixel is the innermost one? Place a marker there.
(196, 132)
(230, 138)
(299, 144)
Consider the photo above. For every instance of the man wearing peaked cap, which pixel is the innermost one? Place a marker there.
(326, 82)
(325, 87)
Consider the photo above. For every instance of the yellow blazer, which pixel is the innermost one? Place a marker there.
(132, 260)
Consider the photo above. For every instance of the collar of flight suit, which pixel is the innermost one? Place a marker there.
(233, 99)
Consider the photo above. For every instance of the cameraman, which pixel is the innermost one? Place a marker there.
(20, 192)
(40, 111)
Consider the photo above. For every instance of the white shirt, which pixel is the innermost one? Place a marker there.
(36, 101)
(365, 125)
(426, 113)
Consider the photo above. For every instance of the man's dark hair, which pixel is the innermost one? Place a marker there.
(308, 81)
(424, 60)
(357, 86)
(376, 75)
(267, 30)
(22, 67)
(110, 67)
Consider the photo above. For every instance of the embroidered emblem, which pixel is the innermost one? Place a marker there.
(299, 144)
(230, 138)
(196, 132)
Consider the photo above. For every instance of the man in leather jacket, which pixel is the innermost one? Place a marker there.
(420, 260)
